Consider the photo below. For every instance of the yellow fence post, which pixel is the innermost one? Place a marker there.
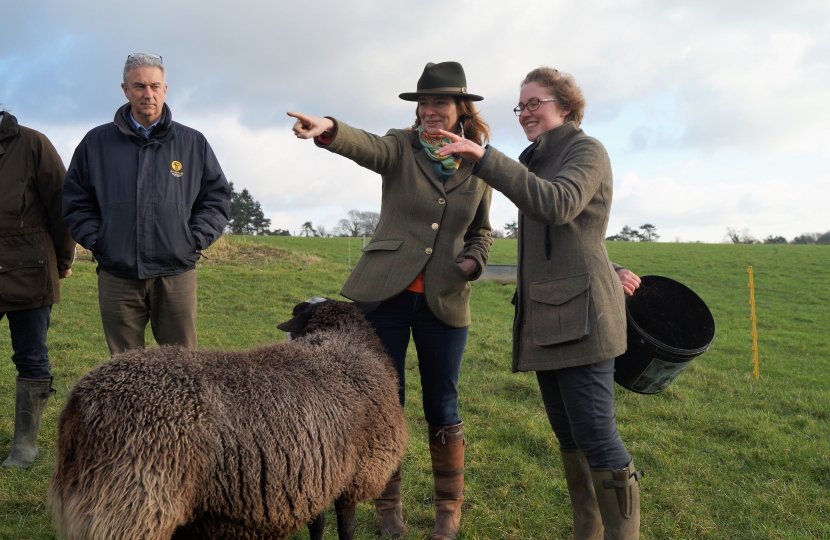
(753, 319)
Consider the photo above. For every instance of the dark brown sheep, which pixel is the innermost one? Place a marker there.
(173, 443)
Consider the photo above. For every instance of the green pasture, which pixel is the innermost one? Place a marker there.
(726, 456)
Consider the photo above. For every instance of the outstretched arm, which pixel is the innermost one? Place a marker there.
(465, 148)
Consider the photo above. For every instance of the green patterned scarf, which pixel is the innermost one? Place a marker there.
(444, 167)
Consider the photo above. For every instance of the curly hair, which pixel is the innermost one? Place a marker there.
(474, 126)
(564, 89)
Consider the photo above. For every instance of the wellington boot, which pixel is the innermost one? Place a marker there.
(389, 510)
(618, 496)
(30, 401)
(446, 447)
(586, 516)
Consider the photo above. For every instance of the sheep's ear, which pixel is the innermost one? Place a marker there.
(296, 323)
(299, 318)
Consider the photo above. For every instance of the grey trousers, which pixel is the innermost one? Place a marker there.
(580, 405)
(167, 302)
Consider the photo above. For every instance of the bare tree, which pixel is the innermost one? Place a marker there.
(740, 237)
(358, 223)
(370, 222)
(511, 230)
(497, 233)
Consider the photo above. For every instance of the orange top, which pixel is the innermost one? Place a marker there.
(418, 284)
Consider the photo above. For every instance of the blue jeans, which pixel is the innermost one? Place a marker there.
(28, 331)
(579, 402)
(439, 346)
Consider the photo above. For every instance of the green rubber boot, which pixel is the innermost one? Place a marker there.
(618, 496)
(30, 402)
(586, 516)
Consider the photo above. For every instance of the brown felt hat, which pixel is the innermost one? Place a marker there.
(444, 79)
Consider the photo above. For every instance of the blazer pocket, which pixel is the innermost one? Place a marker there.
(559, 309)
(24, 275)
(383, 245)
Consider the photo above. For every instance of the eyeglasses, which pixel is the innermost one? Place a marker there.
(532, 105)
(151, 55)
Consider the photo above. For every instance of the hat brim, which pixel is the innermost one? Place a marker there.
(414, 96)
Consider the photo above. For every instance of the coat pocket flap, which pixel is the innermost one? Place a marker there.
(558, 291)
(24, 275)
(27, 257)
(385, 245)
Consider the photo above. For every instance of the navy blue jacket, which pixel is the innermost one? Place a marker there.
(145, 208)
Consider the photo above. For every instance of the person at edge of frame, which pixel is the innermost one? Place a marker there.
(570, 321)
(146, 195)
(36, 251)
(432, 239)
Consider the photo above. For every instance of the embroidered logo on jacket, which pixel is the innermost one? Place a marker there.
(176, 169)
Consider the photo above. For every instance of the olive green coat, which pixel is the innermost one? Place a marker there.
(570, 308)
(425, 225)
(34, 242)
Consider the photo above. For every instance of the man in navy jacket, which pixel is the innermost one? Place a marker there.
(146, 195)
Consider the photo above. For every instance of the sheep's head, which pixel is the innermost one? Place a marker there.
(308, 316)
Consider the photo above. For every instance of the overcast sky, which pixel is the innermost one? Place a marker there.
(715, 113)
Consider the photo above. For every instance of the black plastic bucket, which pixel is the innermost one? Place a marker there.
(668, 327)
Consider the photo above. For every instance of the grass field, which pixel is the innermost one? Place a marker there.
(726, 456)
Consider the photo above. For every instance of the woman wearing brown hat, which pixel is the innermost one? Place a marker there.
(432, 239)
(570, 312)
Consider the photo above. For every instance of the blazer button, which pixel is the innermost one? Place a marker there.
(434, 226)
(428, 251)
(442, 201)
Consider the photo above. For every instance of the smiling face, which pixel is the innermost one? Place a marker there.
(438, 112)
(145, 90)
(548, 116)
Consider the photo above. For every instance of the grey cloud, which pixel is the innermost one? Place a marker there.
(61, 61)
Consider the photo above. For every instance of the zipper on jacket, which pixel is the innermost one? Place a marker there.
(23, 206)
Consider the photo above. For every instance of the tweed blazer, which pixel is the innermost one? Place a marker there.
(570, 308)
(425, 225)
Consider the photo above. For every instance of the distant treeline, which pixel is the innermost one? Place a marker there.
(743, 236)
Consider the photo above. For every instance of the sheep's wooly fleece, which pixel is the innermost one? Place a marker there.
(168, 442)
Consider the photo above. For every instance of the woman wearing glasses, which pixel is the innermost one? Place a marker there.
(570, 310)
(432, 239)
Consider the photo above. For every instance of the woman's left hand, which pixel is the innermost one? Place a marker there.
(469, 266)
(465, 148)
(629, 280)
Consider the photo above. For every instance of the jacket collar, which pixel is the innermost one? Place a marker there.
(547, 142)
(160, 133)
(463, 173)
(8, 129)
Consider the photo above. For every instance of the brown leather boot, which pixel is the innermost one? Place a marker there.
(618, 496)
(586, 517)
(446, 447)
(30, 402)
(389, 510)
